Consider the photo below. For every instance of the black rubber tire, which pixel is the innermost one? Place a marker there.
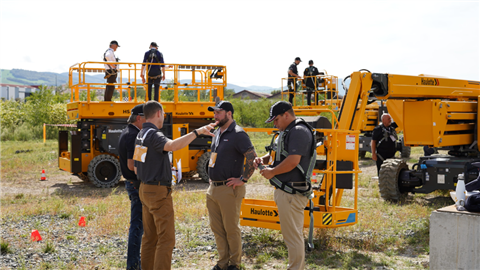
(406, 150)
(83, 176)
(388, 180)
(104, 171)
(361, 154)
(202, 166)
(189, 174)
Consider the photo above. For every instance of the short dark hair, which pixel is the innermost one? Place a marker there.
(291, 112)
(151, 108)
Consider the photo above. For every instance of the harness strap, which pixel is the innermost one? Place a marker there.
(310, 228)
(144, 136)
(155, 77)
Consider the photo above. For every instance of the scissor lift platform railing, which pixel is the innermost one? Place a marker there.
(207, 80)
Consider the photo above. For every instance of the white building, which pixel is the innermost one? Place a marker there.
(14, 91)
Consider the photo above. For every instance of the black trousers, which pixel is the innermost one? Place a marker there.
(291, 91)
(380, 161)
(309, 96)
(156, 84)
(110, 88)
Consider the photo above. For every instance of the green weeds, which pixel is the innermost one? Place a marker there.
(5, 247)
(48, 248)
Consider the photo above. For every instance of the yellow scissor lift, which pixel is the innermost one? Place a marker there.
(337, 162)
(93, 153)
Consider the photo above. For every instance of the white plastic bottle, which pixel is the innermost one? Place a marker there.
(460, 190)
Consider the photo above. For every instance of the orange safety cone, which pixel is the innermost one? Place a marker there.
(43, 178)
(82, 222)
(35, 236)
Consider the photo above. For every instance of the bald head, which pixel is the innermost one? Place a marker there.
(386, 119)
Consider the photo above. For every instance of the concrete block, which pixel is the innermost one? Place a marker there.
(454, 239)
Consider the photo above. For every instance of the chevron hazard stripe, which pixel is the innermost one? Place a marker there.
(327, 219)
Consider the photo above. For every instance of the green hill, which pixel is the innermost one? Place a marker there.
(27, 77)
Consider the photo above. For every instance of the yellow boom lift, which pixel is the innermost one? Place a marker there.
(91, 151)
(433, 111)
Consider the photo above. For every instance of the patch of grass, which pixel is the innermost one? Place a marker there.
(19, 196)
(46, 265)
(27, 165)
(103, 249)
(5, 247)
(48, 248)
(64, 215)
(263, 257)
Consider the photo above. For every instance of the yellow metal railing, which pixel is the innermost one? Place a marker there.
(207, 80)
(328, 87)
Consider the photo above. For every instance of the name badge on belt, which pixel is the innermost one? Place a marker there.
(213, 158)
(140, 153)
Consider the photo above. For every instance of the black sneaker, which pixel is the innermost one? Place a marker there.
(216, 267)
(232, 267)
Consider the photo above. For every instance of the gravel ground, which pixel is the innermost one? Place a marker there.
(74, 246)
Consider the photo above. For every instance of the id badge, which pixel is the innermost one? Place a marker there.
(213, 158)
(270, 161)
(393, 138)
(140, 153)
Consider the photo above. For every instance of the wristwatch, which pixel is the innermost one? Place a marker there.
(195, 132)
(243, 180)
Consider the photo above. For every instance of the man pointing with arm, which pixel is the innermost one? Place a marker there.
(153, 169)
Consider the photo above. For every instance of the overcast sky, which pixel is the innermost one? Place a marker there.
(256, 40)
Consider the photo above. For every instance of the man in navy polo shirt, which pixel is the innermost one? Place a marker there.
(126, 146)
(155, 73)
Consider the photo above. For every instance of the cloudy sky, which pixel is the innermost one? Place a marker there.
(256, 40)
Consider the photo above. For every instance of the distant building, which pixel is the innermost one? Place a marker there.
(245, 94)
(277, 95)
(14, 91)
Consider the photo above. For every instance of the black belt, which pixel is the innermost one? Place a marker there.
(219, 183)
(298, 184)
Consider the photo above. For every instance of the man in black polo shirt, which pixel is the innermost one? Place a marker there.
(228, 173)
(126, 147)
(292, 74)
(298, 144)
(384, 137)
(153, 169)
(155, 73)
(311, 81)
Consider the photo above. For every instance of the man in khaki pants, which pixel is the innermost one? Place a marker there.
(293, 150)
(153, 169)
(228, 174)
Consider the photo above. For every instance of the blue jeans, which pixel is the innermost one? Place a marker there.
(136, 228)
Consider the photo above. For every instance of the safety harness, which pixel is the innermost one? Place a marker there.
(112, 71)
(387, 132)
(151, 57)
(280, 151)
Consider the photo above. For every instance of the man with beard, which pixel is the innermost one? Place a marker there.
(228, 173)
